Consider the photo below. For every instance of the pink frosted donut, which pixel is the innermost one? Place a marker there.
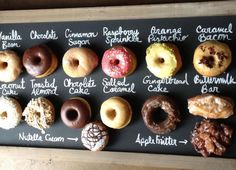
(118, 62)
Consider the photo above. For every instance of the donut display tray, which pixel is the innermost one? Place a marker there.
(186, 33)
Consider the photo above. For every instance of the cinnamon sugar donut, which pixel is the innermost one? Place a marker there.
(212, 58)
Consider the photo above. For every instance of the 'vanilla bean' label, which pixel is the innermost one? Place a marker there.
(12, 88)
(166, 34)
(112, 85)
(79, 38)
(120, 35)
(209, 84)
(80, 87)
(10, 39)
(46, 35)
(214, 33)
(158, 85)
(46, 87)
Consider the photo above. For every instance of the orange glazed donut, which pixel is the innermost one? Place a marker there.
(10, 66)
(79, 62)
(116, 112)
(212, 58)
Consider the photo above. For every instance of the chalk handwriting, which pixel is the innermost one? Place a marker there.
(12, 88)
(10, 39)
(47, 35)
(44, 88)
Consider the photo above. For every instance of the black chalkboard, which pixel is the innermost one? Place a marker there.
(186, 33)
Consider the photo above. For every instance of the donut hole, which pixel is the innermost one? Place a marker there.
(115, 62)
(111, 114)
(3, 115)
(71, 115)
(3, 65)
(75, 63)
(160, 60)
(159, 115)
(36, 60)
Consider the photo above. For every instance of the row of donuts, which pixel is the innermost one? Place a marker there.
(211, 58)
(208, 137)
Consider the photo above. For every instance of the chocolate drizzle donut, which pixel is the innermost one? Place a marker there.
(151, 106)
(39, 61)
(75, 112)
(95, 136)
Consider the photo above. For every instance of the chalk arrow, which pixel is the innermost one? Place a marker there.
(184, 141)
(74, 139)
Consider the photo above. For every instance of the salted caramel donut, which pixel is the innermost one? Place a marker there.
(116, 112)
(79, 62)
(163, 59)
(94, 136)
(10, 66)
(151, 106)
(118, 62)
(39, 113)
(211, 106)
(76, 112)
(10, 112)
(39, 61)
(212, 58)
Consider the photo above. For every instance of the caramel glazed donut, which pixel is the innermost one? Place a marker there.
(39, 61)
(10, 66)
(116, 112)
(76, 112)
(168, 105)
(212, 58)
(10, 112)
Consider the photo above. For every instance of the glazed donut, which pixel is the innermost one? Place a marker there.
(39, 61)
(10, 112)
(151, 106)
(10, 66)
(39, 113)
(116, 112)
(95, 136)
(211, 106)
(76, 112)
(163, 59)
(79, 62)
(118, 62)
(212, 58)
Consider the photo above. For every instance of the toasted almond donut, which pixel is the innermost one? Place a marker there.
(10, 112)
(212, 58)
(79, 62)
(116, 112)
(39, 113)
(10, 66)
(211, 106)
(163, 59)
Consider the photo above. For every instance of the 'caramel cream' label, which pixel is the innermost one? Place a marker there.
(214, 33)
(112, 85)
(80, 87)
(10, 39)
(12, 88)
(120, 35)
(166, 34)
(44, 88)
(79, 38)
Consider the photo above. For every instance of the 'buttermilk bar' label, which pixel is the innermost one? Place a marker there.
(166, 35)
(120, 35)
(214, 33)
(10, 39)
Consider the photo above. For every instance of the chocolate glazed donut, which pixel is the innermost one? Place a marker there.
(75, 113)
(37, 60)
(151, 106)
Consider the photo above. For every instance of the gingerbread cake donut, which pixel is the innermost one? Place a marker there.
(212, 58)
(151, 106)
